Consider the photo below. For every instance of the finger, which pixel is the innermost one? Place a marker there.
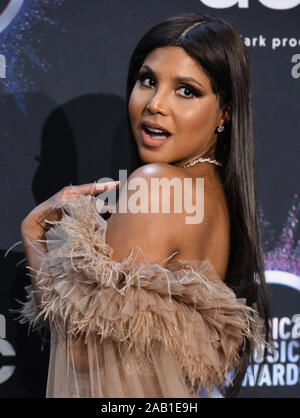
(93, 188)
(109, 185)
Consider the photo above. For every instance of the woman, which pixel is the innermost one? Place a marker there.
(185, 312)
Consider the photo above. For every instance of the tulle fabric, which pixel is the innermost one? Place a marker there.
(127, 329)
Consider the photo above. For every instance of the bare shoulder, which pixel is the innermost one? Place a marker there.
(203, 192)
(160, 221)
(156, 186)
(136, 222)
(153, 170)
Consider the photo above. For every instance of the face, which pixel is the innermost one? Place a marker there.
(186, 108)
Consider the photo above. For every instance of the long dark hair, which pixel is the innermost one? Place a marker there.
(223, 56)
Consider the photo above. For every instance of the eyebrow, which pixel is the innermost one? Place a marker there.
(180, 79)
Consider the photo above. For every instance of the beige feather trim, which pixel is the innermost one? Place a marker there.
(186, 306)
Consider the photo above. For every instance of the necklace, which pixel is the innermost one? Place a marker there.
(201, 160)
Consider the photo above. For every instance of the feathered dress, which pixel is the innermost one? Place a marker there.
(126, 329)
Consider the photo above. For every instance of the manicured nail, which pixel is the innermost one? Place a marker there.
(109, 185)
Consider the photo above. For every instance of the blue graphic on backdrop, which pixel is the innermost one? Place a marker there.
(17, 47)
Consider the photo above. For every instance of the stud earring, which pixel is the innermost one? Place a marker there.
(220, 128)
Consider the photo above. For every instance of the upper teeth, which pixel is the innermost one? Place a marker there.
(155, 130)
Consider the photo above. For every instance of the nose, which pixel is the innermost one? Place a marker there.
(158, 103)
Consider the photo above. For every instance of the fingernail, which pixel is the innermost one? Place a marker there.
(109, 185)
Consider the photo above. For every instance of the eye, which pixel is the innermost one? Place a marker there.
(145, 76)
(192, 92)
(148, 80)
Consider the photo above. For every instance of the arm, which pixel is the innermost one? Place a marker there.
(33, 227)
(187, 308)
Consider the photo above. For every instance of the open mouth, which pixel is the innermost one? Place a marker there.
(155, 132)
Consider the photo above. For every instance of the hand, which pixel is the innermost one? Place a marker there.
(34, 225)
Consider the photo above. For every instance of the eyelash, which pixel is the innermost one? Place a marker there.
(196, 93)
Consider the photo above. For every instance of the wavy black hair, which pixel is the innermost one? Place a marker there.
(223, 56)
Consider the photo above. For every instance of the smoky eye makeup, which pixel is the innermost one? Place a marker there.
(195, 92)
(144, 74)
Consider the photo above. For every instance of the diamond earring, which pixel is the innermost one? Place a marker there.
(220, 128)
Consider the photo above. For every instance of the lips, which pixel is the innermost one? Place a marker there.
(147, 124)
(152, 138)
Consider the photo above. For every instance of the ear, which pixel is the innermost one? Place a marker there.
(226, 115)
